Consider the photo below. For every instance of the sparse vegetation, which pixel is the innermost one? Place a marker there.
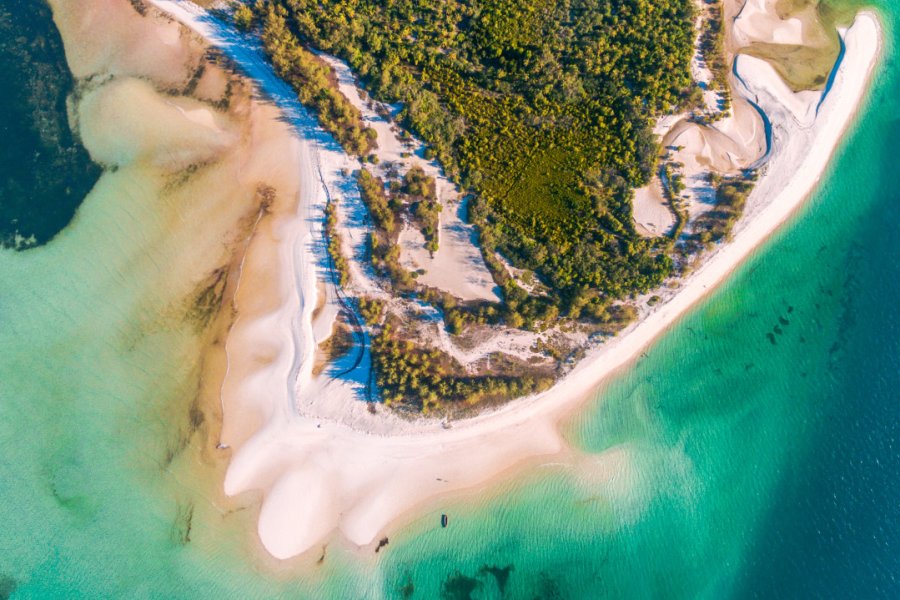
(673, 186)
(315, 83)
(383, 248)
(371, 310)
(243, 17)
(429, 380)
(712, 46)
(338, 344)
(420, 193)
(335, 253)
(716, 224)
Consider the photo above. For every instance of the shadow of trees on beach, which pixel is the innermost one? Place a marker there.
(247, 57)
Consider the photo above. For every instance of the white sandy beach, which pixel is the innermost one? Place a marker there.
(327, 468)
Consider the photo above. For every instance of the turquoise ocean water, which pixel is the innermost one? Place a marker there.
(756, 442)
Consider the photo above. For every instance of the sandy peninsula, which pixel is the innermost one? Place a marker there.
(326, 466)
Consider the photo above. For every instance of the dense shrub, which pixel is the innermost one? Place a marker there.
(315, 84)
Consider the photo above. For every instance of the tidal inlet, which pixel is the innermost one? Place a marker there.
(449, 299)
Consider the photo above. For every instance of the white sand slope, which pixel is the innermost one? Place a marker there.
(325, 471)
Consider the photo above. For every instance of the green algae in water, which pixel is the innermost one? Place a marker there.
(726, 444)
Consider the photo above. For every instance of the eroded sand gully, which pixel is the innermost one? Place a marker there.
(327, 468)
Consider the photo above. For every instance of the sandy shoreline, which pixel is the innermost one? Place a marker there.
(321, 475)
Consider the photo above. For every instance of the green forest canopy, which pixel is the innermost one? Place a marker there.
(542, 108)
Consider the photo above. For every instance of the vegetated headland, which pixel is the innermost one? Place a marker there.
(542, 116)
(545, 118)
(403, 258)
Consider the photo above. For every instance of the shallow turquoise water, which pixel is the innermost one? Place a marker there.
(752, 468)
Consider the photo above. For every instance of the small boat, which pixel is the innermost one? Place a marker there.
(443, 520)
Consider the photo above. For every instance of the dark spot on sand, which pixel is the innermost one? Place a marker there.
(381, 544)
(195, 416)
(139, 7)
